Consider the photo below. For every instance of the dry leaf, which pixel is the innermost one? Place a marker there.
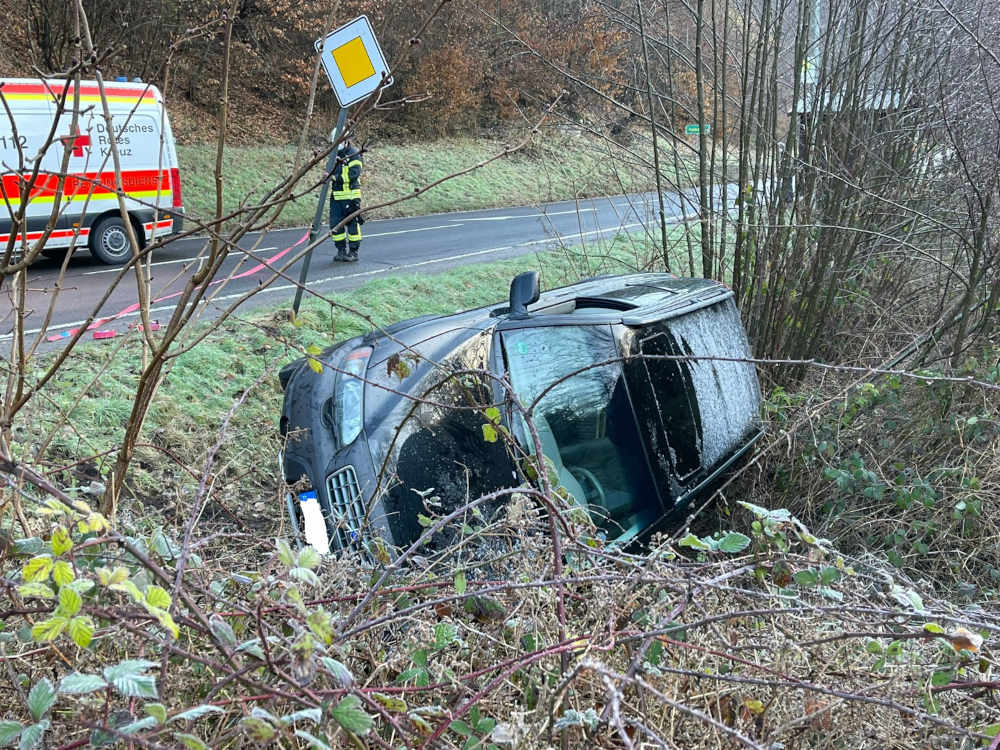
(963, 639)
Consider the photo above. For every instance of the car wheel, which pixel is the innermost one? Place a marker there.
(109, 241)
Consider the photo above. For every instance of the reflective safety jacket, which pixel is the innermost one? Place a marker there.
(347, 176)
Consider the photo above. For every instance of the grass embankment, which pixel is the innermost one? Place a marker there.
(556, 167)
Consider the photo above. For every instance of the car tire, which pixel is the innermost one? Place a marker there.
(109, 241)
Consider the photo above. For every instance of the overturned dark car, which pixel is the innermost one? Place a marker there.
(644, 399)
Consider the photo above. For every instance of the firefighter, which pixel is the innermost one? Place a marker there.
(345, 199)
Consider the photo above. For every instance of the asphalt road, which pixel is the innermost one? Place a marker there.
(419, 244)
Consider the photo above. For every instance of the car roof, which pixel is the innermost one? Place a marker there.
(633, 299)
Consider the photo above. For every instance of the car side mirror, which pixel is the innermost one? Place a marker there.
(524, 290)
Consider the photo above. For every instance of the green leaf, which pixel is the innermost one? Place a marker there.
(80, 585)
(485, 609)
(41, 698)
(942, 677)
(992, 730)
(321, 624)
(308, 557)
(127, 678)
(694, 542)
(460, 727)
(157, 710)
(349, 714)
(158, 597)
(69, 601)
(62, 572)
(166, 621)
(391, 702)
(874, 647)
(460, 582)
(37, 569)
(129, 587)
(190, 741)
(341, 674)
(285, 553)
(314, 742)
(222, 630)
(147, 722)
(655, 653)
(9, 730)
(258, 729)
(164, 546)
(807, 577)
(49, 630)
(32, 736)
(196, 713)
(734, 542)
(489, 433)
(305, 575)
(252, 647)
(933, 627)
(35, 590)
(81, 630)
(907, 598)
(828, 575)
(136, 686)
(676, 630)
(81, 684)
(445, 634)
(493, 414)
(61, 543)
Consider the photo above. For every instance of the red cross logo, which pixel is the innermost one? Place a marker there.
(75, 141)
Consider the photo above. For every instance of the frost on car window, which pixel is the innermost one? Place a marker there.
(584, 421)
(727, 391)
(539, 357)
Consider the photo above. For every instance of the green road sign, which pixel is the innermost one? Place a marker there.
(693, 129)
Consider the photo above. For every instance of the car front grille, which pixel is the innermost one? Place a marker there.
(348, 507)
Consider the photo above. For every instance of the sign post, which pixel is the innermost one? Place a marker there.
(356, 67)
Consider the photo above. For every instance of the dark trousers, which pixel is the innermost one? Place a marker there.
(350, 232)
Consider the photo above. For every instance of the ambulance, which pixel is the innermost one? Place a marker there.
(36, 129)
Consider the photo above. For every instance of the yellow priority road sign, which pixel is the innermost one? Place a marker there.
(353, 61)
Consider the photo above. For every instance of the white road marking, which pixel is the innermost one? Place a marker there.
(168, 262)
(407, 231)
(525, 216)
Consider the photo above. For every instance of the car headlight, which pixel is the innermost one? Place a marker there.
(350, 395)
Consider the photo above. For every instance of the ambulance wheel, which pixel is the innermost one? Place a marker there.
(109, 241)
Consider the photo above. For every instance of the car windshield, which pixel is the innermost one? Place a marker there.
(585, 423)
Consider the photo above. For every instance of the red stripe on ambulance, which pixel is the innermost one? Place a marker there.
(139, 92)
(99, 184)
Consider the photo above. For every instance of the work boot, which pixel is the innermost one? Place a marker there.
(352, 255)
(341, 254)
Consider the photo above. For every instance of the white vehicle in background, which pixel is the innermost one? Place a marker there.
(87, 213)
